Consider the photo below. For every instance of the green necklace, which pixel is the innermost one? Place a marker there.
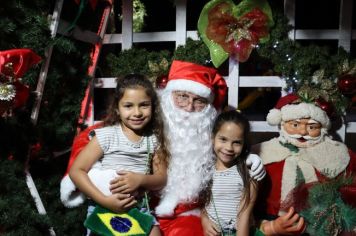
(145, 200)
(217, 216)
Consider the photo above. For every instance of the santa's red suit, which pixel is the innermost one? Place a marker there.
(183, 221)
(327, 159)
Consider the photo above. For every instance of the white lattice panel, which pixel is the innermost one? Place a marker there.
(344, 35)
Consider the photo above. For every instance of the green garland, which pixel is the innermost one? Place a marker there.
(327, 213)
(311, 71)
(153, 63)
(305, 69)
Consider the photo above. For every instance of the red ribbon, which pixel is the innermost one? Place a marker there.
(21, 59)
(220, 90)
(233, 34)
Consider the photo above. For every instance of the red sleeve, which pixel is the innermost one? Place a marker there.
(268, 202)
(352, 165)
(79, 143)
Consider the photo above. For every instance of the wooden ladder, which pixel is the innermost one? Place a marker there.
(59, 26)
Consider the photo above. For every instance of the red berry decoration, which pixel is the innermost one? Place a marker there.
(161, 81)
(325, 106)
(348, 194)
(347, 84)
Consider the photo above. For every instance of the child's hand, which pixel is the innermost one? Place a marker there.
(126, 182)
(119, 202)
(209, 228)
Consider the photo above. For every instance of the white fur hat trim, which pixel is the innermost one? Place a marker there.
(190, 86)
(274, 117)
(298, 111)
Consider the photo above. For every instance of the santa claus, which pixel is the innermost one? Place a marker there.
(303, 146)
(189, 103)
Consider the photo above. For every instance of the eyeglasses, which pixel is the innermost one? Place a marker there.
(184, 99)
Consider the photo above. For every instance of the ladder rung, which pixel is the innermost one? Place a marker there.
(78, 33)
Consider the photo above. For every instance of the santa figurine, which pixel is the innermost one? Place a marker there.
(303, 147)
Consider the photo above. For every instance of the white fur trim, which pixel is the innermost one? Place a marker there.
(194, 212)
(328, 155)
(70, 196)
(296, 111)
(190, 86)
(305, 110)
(274, 117)
(289, 177)
(167, 205)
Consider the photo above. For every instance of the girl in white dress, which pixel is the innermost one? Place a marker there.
(231, 196)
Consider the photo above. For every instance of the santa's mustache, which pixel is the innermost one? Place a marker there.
(306, 137)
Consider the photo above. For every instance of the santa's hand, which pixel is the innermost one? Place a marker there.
(256, 168)
(288, 224)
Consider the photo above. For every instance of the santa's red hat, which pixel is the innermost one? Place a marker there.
(200, 80)
(291, 107)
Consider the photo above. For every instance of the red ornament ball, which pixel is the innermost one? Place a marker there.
(347, 84)
(325, 106)
(161, 81)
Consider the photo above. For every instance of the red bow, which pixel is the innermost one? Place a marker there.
(220, 90)
(237, 36)
(21, 60)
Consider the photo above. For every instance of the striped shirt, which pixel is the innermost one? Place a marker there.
(122, 154)
(227, 191)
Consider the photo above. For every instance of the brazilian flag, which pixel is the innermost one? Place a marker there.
(104, 222)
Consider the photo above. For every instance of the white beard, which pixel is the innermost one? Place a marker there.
(293, 139)
(192, 159)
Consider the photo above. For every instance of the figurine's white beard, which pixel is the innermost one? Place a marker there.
(190, 168)
(293, 139)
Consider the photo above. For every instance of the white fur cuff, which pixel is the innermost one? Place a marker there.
(70, 196)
